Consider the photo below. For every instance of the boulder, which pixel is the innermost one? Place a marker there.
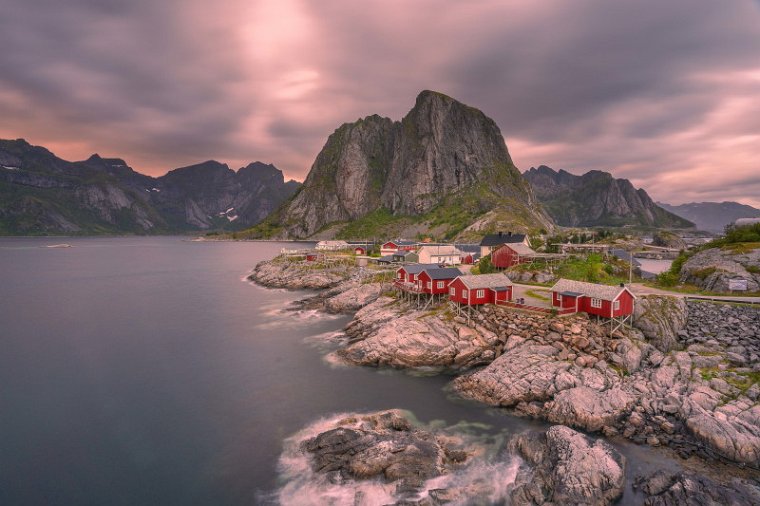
(566, 467)
(660, 318)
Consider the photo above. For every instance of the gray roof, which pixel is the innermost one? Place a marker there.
(386, 258)
(604, 292)
(468, 248)
(520, 248)
(417, 268)
(497, 239)
(486, 281)
(445, 273)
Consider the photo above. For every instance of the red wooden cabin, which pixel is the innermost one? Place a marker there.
(509, 255)
(600, 300)
(409, 273)
(480, 289)
(360, 250)
(435, 281)
(392, 247)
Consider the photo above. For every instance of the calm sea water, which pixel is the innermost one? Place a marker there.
(147, 371)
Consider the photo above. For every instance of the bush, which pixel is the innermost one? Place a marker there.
(485, 266)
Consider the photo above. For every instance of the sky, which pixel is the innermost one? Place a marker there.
(666, 94)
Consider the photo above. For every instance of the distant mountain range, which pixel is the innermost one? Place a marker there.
(597, 199)
(43, 194)
(712, 216)
(444, 169)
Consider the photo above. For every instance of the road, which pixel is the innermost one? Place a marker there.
(641, 289)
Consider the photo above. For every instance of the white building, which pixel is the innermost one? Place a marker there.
(440, 254)
(332, 245)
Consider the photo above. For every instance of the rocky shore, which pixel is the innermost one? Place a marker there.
(688, 377)
(713, 268)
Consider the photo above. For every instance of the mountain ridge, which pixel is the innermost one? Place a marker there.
(596, 198)
(44, 194)
(712, 216)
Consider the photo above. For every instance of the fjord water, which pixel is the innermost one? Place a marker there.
(147, 371)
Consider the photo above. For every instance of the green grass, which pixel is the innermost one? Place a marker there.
(592, 269)
(538, 295)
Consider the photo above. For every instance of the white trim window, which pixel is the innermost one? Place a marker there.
(453, 291)
(464, 293)
(616, 305)
(480, 294)
(399, 275)
(439, 284)
(430, 285)
(596, 303)
(559, 299)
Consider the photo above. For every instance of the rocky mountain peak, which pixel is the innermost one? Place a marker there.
(440, 148)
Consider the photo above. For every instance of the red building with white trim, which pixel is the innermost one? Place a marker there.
(480, 289)
(600, 300)
(392, 247)
(436, 281)
(509, 255)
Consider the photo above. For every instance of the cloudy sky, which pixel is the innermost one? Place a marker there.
(666, 94)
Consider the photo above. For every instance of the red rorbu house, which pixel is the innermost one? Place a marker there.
(407, 274)
(360, 250)
(480, 289)
(392, 247)
(613, 302)
(509, 255)
(436, 281)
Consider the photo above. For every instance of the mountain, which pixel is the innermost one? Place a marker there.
(712, 216)
(43, 194)
(597, 199)
(443, 169)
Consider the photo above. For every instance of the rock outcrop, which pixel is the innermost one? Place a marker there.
(713, 268)
(442, 151)
(298, 275)
(689, 489)
(387, 458)
(703, 399)
(566, 467)
(597, 199)
(389, 333)
(661, 318)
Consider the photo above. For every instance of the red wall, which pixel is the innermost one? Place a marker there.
(472, 298)
(506, 257)
(584, 305)
(424, 279)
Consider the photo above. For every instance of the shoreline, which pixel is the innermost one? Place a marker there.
(610, 388)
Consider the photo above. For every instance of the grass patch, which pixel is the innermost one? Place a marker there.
(538, 295)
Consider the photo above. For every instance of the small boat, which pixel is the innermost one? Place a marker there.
(64, 245)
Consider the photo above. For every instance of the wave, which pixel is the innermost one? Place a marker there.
(486, 479)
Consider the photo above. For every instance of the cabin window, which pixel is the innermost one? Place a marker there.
(399, 275)
(464, 293)
(430, 284)
(480, 294)
(559, 299)
(453, 292)
(616, 305)
(440, 284)
(596, 303)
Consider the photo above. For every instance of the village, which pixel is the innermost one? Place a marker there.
(468, 276)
